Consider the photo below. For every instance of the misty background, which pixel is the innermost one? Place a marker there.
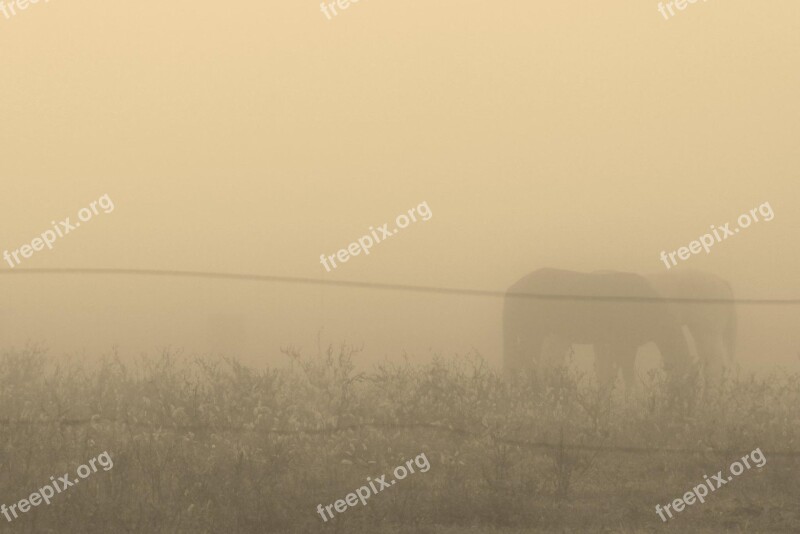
(251, 138)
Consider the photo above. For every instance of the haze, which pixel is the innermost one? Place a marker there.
(253, 137)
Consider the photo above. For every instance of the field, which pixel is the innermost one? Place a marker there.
(214, 446)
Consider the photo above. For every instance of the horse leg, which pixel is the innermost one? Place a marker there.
(627, 361)
(554, 350)
(713, 357)
(605, 365)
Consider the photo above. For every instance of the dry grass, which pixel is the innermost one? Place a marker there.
(202, 446)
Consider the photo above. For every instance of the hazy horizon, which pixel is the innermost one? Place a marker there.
(580, 136)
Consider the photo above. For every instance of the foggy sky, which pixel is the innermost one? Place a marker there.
(251, 137)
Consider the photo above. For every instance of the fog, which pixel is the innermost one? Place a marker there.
(252, 138)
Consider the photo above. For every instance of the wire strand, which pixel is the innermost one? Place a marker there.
(328, 431)
(384, 286)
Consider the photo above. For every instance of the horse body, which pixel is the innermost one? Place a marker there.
(540, 330)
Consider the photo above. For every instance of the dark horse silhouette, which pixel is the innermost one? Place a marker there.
(538, 331)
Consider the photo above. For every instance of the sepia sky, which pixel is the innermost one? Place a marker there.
(251, 137)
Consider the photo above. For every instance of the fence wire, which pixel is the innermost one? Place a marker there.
(383, 286)
(329, 431)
